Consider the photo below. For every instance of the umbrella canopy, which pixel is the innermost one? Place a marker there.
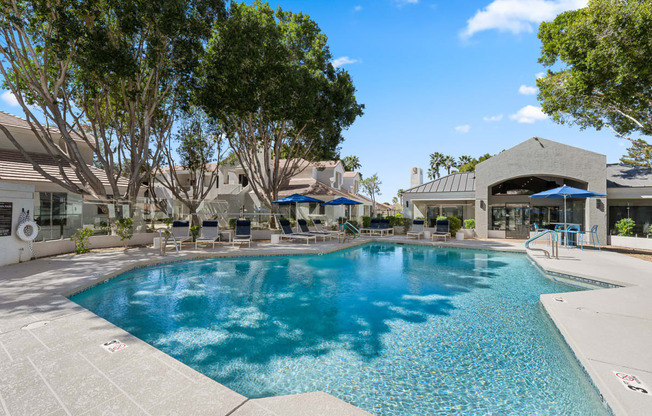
(342, 201)
(295, 198)
(566, 192)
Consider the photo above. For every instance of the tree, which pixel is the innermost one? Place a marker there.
(470, 166)
(448, 162)
(270, 84)
(436, 160)
(371, 187)
(600, 67)
(463, 160)
(639, 154)
(200, 151)
(351, 163)
(102, 75)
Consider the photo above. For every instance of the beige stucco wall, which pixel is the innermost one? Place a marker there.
(12, 249)
(541, 157)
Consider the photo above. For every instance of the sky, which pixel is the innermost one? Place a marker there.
(456, 77)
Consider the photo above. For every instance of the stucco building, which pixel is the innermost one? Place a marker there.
(497, 194)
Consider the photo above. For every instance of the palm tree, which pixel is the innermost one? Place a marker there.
(351, 163)
(448, 162)
(464, 159)
(435, 162)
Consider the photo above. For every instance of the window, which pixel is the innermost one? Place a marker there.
(243, 180)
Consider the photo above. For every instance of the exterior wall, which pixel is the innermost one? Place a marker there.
(12, 249)
(540, 157)
(351, 184)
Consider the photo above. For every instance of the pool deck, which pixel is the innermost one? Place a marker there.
(52, 362)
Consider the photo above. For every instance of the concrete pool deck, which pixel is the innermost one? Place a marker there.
(51, 360)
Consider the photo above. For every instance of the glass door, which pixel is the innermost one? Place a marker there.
(517, 221)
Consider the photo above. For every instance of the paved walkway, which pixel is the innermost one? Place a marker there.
(51, 360)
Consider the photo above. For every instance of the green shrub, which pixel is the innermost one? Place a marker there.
(407, 223)
(454, 224)
(354, 223)
(232, 223)
(649, 230)
(81, 240)
(469, 224)
(125, 229)
(626, 227)
(366, 221)
(194, 232)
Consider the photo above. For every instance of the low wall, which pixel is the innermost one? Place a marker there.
(631, 242)
(54, 247)
(21, 197)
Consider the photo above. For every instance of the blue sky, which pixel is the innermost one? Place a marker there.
(455, 77)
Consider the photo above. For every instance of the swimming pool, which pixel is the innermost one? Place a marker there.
(393, 329)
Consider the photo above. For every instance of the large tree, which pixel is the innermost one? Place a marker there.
(200, 149)
(448, 163)
(436, 160)
(639, 154)
(106, 75)
(269, 82)
(600, 70)
(371, 186)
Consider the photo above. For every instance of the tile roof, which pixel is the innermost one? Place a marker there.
(349, 174)
(11, 120)
(15, 168)
(626, 176)
(455, 182)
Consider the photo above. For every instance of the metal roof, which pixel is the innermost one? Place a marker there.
(455, 182)
(625, 176)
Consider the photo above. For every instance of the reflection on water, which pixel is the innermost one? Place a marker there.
(393, 329)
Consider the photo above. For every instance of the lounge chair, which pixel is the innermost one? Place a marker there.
(303, 226)
(374, 225)
(180, 232)
(417, 229)
(319, 228)
(242, 232)
(210, 232)
(384, 228)
(288, 234)
(441, 230)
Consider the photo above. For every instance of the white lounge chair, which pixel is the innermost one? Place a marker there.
(242, 232)
(288, 234)
(210, 232)
(417, 229)
(319, 228)
(303, 226)
(180, 233)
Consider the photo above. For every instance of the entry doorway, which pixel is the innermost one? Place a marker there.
(517, 221)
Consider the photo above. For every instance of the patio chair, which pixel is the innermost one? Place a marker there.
(417, 229)
(537, 230)
(442, 229)
(574, 232)
(210, 232)
(181, 232)
(374, 225)
(319, 228)
(290, 235)
(384, 228)
(242, 232)
(593, 235)
(303, 226)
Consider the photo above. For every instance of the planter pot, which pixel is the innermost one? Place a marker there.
(468, 233)
(630, 242)
(459, 235)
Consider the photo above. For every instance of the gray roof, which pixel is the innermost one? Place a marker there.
(455, 182)
(625, 176)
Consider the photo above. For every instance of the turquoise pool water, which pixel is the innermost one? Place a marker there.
(393, 329)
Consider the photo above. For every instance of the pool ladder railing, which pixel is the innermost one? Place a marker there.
(350, 227)
(554, 243)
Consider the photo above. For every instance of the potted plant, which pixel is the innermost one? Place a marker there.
(469, 228)
(125, 230)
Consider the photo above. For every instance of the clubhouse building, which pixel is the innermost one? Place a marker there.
(497, 193)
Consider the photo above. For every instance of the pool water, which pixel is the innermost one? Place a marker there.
(393, 329)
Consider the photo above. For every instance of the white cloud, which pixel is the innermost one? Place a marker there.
(344, 60)
(10, 99)
(404, 2)
(525, 90)
(517, 16)
(463, 129)
(540, 75)
(529, 114)
(493, 118)
(357, 8)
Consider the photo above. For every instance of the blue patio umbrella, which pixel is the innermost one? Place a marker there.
(296, 199)
(343, 201)
(566, 192)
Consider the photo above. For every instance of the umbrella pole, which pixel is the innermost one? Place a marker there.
(565, 226)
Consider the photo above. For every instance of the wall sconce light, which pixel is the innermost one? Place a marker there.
(483, 205)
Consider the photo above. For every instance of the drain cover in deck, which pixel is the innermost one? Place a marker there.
(114, 346)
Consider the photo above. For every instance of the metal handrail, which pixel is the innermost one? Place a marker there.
(554, 243)
(351, 228)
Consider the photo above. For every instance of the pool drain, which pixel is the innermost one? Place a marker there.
(34, 325)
